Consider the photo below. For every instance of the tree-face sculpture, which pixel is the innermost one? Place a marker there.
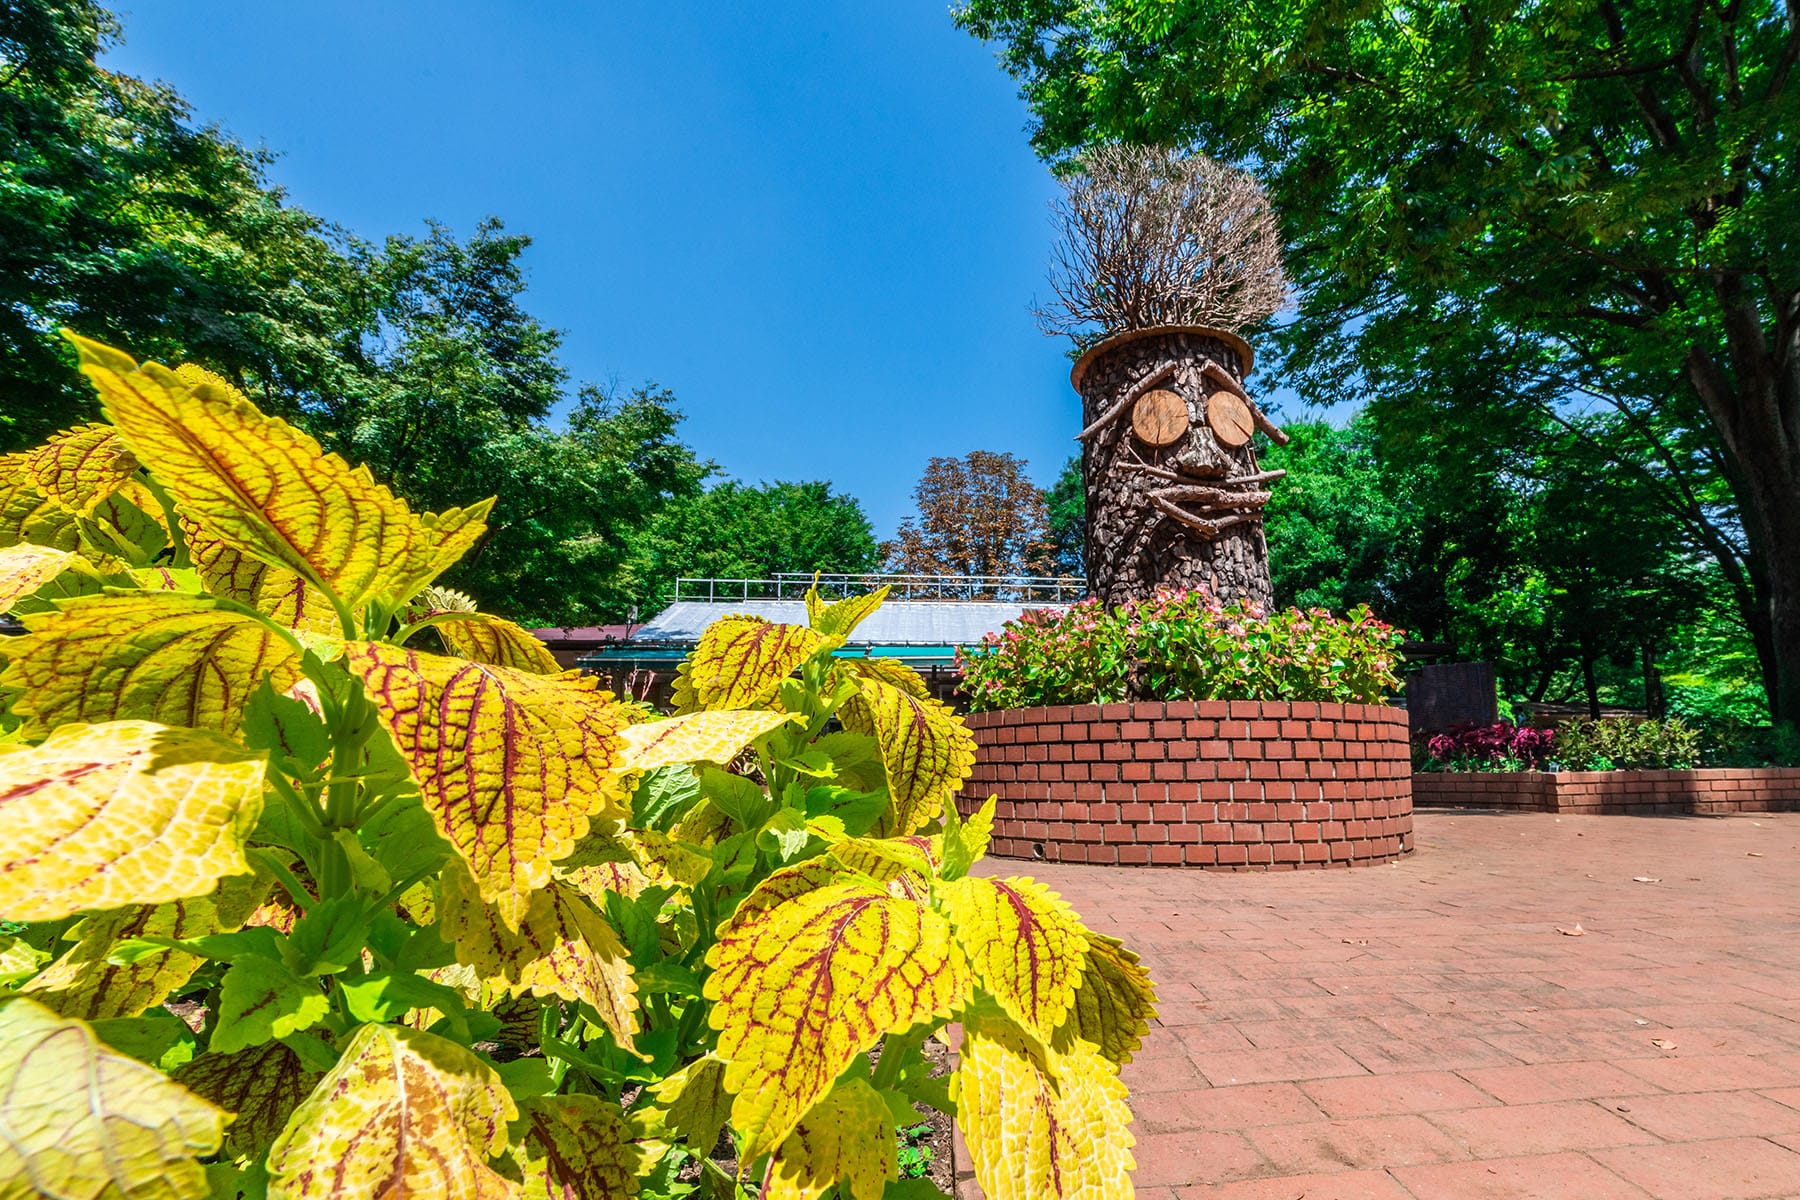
(1158, 249)
(1174, 494)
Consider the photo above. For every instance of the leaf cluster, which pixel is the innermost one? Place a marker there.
(300, 907)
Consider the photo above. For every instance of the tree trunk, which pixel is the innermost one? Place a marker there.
(1590, 684)
(1187, 514)
(1654, 703)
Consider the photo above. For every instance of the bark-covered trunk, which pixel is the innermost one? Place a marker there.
(1753, 399)
(1187, 514)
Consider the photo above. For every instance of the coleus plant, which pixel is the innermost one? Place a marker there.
(318, 883)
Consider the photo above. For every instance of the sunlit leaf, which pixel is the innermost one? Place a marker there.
(128, 812)
(169, 657)
(1040, 1124)
(839, 618)
(965, 843)
(403, 1113)
(694, 1102)
(716, 736)
(577, 1148)
(258, 484)
(87, 982)
(563, 947)
(262, 1086)
(25, 568)
(1024, 944)
(275, 591)
(511, 765)
(80, 467)
(848, 1136)
(813, 968)
(261, 999)
(890, 671)
(28, 514)
(488, 639)
(925, 747)
(741, 661)
(1114, 1002)
(84, 1122)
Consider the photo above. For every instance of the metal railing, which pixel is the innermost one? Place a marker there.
(792, 585)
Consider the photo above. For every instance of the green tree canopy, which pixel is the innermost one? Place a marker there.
(1590, 198)
(736, 530)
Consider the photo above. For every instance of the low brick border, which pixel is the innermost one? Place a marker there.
(1712, 791)
(1232, 785)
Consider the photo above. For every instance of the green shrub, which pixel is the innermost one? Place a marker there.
(1626, 744)
(1181, 645)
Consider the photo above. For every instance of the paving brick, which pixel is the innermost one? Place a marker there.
(1540, 1082)
(1229, 1108)
(1704, 1116)
(1180, 1159)
(1539, 1128)
(1345, 1185)
(1541, 1177)
(1733, 1169)
(1290, 1063)
(1707, 1072)
(1355, 1143)
(1379, 1095)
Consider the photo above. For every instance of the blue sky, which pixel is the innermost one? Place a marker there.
(820, 224)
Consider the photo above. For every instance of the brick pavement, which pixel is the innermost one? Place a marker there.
(1423, 1031)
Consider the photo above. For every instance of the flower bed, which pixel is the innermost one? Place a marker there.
(1707, 791)
(1238, 785)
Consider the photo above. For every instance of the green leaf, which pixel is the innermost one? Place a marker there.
(785, 834)
(389, 995)
(327, 939)
(289, 730)
(741, 799)
(663, 796)
(858, 811)
(261, 1000)
(157, 1037)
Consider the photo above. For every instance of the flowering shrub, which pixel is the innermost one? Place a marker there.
(1500, 747)
(1181, 645)
(1609, 744)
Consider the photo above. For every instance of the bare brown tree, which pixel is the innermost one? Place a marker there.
(978, 515)
(1151, 236)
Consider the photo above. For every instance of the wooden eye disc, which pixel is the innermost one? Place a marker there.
(1230, 419)
(1159, 418)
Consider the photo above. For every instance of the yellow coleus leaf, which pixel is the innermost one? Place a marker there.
(276, 592)
(889, 671)
(848, 1136)
(260, 1086)
(563, 947)
(665, 859)
(1114, 1002)
(79, 1120)
(511, 765)
(80, 467)
(576, 1147)
(86, 982)
(965, 843)
(812, 969)
(27, 513)
(694, 1103)
(403, 1113)
(839, 618)
(263, 487)
(925, 748)
(596, 879)
(25, 568)
(171, 657)
(1040, 1124)
(741, 661)
(716, 736)
(493, 640)
(128, 812)
(1024, 944)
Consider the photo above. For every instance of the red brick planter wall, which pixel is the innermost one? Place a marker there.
(1718, 790)
(1239, 785)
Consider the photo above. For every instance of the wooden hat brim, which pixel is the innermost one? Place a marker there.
(1093, 352)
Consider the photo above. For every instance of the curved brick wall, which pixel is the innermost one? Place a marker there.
(1713, 791)
(1238, 785)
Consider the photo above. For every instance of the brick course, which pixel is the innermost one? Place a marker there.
(1716, 791)
(1238, 785)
